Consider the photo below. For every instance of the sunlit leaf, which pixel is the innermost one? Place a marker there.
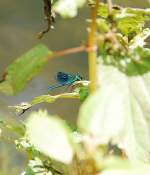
(23, 69)
(68, 8)
(139, 62)
(50, 136)
(35, 167)
(133, 23)
(129, 21)
(120, 112)
(139, 40)
(118, 166)
(136, 62)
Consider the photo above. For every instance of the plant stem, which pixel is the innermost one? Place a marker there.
(110, 7)
(69, 51)
(92, 54)
(73, 50)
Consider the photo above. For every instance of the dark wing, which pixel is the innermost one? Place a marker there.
(56, 86)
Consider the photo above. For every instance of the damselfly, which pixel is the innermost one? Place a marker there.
(64, 79)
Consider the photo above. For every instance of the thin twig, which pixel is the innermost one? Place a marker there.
(69, 51)
(48, 17)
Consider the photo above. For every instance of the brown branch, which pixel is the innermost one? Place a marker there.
(49, 17)
(69, 51)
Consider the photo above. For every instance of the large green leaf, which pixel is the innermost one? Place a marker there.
(24, 69)
(120, 112)
(68, 8)
(50, 136)
(117, 166)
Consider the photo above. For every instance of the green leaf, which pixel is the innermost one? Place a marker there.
(68, 8)
(23, 69)
(139, 63)
(119, 112)
(51, 99)
(118, 166)
(102, 25)
(139, 40)
(21, 108)
(35, 167)
(13, 126)
(129, 21)
(118, 163)
(136, 62)
(84, 92)
(50, 135)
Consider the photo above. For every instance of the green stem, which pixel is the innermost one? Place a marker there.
(92, 54)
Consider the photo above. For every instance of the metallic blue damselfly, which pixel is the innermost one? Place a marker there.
(64, 79)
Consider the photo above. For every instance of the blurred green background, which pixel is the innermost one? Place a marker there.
(20, 21)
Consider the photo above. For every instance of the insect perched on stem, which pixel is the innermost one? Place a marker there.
(64, 79)
(49, 17)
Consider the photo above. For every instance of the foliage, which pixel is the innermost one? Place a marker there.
(112, 134)
(124, 118)
(68, 8)
(17, 74)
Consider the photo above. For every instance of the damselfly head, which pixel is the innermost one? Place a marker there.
(61, 77)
